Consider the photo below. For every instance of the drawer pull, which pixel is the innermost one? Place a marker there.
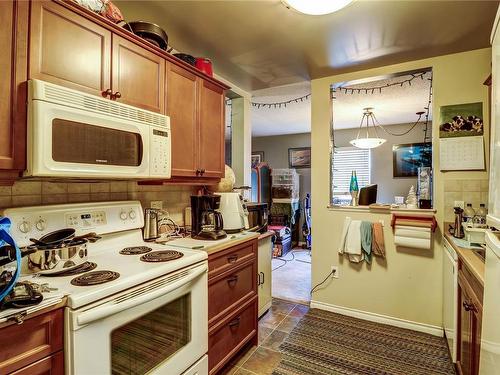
(235, 322)
(232, 279)
(469, 306)
(232, 258)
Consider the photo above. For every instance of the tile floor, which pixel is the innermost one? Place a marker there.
(292, 281)
(274, 327)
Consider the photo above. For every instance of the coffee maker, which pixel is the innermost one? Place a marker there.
(206, 222)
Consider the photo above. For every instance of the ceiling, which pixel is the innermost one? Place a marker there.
(259, 44)
(393, 105)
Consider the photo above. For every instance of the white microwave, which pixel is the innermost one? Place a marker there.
(77, 135)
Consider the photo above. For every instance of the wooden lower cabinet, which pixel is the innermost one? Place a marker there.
(470, 297)
(232, 302)
(35, 346)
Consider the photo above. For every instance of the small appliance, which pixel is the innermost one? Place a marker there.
(457, 230)
(233, 213)
(150, 232)
(205, 65)
(206, 222)
(257, 217)
(72, 134)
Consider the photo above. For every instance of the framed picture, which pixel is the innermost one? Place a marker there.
(299, 157)
(461, 120)
(407, 158)
(257, 157)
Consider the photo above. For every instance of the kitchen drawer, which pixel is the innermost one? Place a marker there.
(228, 336)
(230, 289)
(29, 342)
(232, 257)
(472, 280)
(52, 365)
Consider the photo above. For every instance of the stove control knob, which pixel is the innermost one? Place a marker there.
(123, 215)
(41, 225)
(24, 226)
(132, 214)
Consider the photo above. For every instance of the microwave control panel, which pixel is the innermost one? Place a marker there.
(160, 153)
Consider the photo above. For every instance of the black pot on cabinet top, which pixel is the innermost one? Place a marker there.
(191, 60)
(150, 32)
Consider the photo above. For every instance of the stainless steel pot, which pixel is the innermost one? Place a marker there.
(63, 257)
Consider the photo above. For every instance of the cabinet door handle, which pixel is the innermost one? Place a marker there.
(258, 279)
(107, 93)
(116, 95)
(198, 172)
(232, 279)
(263, 279)
(469, 306)
(202, 171)
(235, 322)
(232, 258)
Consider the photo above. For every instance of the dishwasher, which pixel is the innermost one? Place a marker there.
(450, 295)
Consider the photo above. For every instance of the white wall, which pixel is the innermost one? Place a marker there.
(408, 284)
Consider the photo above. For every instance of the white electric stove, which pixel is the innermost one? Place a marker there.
(144, 313)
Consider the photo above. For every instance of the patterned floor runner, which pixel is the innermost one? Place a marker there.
(325, 343)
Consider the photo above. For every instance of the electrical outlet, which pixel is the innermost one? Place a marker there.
(335, 272)
(157, 204)
(459, 204)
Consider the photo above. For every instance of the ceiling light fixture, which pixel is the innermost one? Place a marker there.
(367, 142)
(372, 142)
(317, 7)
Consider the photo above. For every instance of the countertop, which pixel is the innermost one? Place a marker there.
(266, 235)
(471, 260)
(211, 247)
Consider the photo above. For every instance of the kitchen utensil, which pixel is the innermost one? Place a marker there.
(205, 65)
(150, 32)
(56, 258)
(150, 232)
(191, 60)
(23, 294)
(457, 230)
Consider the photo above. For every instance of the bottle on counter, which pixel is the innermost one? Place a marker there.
(481, 212)
(469, 213)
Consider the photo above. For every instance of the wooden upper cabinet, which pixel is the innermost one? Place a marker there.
(13, 65)
(138, 75)
(182, 101)
(211, 130)
(68, 50)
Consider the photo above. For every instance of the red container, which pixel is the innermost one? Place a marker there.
(205, 65)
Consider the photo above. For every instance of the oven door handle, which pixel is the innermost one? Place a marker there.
(112, 307)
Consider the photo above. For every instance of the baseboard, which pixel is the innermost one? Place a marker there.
(379, 318)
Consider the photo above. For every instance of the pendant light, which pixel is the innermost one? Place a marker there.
(317, 7)
(367, 141)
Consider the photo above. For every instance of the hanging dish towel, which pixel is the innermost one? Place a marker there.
(412, 237)
(343, 237)
(366, 240)
(378, 245)
(353, 242)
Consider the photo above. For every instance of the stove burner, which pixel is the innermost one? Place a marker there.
(82, 268)
(135, 250)
(95, 278)
(161, 256)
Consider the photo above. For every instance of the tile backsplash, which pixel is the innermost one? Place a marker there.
(469, 191)
(34, 193)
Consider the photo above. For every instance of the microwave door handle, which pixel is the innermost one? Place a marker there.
(110, 308)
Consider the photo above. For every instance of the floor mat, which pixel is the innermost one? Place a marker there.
(326, 343)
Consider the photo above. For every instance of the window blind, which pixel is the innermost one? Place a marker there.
(346, 160)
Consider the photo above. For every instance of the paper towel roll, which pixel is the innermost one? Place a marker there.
(412, 242)
(412, 232)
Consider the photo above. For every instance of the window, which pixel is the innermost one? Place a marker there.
(345, 160)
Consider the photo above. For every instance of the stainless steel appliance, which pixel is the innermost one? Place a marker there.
(78, 135)
(457, 230)
(233, 213)
(150, 232)
(206, 222)
(137, 307)
(257, 216)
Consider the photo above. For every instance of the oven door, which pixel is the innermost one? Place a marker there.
(160, 327)
(72, 142)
